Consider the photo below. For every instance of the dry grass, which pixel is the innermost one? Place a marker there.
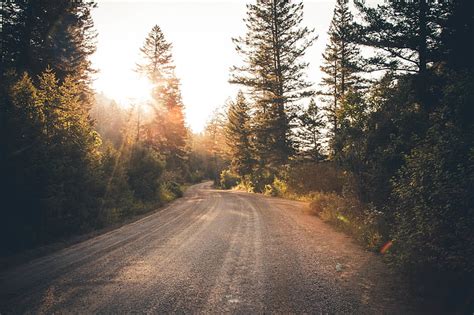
(351, 216)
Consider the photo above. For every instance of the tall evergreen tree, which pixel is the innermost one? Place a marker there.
(41, 34)
(404, 33)
(406, 38)
(340, 67)
(45, 33)
(273, 72)
(309, 133)
(167, 132)
(52, 155)
(238, 135)
(157, 63)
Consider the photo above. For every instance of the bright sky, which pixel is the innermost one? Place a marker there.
(200, 31)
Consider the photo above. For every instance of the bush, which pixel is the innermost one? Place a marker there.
(315, 177)
(351, 216)
(144, 171)
(433, 233)
(229, 179)
(277, 189)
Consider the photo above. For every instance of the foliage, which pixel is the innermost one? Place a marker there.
(305, 178)
(273, 71)
(238, 136)
(346, 213)
(169, 191)
(228, 179)
(38, 34)
(432, 194)
(52, 154)
(64, 173)
(309, 138)
(400, 168)
(341, 64)
(144, 171)
(405, 35)
(276, 189)
(167, 132)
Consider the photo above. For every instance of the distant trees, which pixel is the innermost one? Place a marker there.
(309, 138)
(239, 133)
(215, 142)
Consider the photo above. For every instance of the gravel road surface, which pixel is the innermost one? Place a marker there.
(211, 251)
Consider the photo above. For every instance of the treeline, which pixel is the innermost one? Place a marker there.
(385, 145)
(72, 161)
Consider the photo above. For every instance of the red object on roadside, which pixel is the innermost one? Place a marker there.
(385, 247)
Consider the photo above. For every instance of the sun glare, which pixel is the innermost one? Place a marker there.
(127, 89)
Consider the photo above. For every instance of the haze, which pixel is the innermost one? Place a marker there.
(201, 33)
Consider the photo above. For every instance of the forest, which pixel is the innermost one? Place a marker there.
(382, 147)
(72, 160)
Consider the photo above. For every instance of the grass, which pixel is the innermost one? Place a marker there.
(115, 221)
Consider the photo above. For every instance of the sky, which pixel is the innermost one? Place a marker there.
(201, 33)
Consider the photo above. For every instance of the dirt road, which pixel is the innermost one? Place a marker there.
(210, 252)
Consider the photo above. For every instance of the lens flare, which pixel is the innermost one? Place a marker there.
(386, 247)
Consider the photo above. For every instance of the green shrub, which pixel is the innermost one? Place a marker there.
(245, 184)
(144, 171)
(176, 189)
(363, 222)
(433, 232)
(277, 189)
(228, 179)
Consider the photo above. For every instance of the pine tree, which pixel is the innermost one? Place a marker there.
(41, 34)
(404, 33)
(341, 64)
(44, 33)
(406, 38)
(238, 135)
(216, 144)
(274, 73)
(309, 133)
(52, 157)
(157, 62)
(167, 133)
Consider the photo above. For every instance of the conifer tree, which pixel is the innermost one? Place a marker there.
(273, 72)
(404, 33)
(406, 38)
(52, 158)
(157, 63)
(167, 132)
(341, 64)
(238, 135)
(43, 33)
(309, 134)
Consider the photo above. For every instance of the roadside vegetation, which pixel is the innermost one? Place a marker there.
(384, 147)
(73, 161)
